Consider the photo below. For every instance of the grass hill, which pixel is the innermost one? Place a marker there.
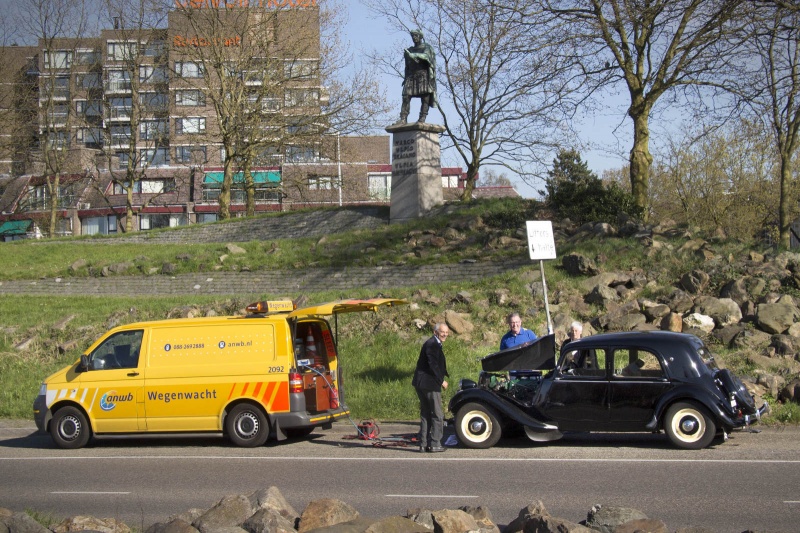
(41, 333)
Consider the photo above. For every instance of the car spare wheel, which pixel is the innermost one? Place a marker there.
(478, 426)
(542, 436)
(689, 426)
(733, 385)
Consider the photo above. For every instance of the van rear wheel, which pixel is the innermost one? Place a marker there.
(247, 426)
(70, 429)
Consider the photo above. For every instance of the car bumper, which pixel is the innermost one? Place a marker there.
(40, 412)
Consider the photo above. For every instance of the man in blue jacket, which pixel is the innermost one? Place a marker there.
(429, 382)
(516, 333)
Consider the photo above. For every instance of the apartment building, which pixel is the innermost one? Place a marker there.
(136, 128)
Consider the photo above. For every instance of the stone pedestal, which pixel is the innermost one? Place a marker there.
(416, 170)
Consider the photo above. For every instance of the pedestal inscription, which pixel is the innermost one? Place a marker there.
(416, 170)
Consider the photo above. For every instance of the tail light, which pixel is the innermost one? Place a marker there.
(295, 382)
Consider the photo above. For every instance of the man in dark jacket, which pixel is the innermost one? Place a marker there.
(429, 382)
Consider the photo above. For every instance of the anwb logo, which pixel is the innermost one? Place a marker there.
(109, 400)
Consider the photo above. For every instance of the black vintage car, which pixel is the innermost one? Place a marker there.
(613, 382)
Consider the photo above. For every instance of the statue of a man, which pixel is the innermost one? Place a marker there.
(420, 77)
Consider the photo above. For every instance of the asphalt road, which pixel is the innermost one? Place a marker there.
(752, 481)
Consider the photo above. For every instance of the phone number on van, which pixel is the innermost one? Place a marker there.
(168, 347)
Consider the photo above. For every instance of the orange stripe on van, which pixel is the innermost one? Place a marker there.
(267, 392)
(244, 389)
(258, 388)
(280, 400)
(233, 389)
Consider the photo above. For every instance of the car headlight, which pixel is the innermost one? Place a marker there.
(43, 389)
(465, 383)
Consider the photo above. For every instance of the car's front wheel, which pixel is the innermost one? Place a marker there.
(247, 426)
(689, 426)
(478, 426)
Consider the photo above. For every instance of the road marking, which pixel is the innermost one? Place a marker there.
(85, 492)
(792, 501)
(429, 496)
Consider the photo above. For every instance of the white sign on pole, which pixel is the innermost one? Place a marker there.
(541, 244)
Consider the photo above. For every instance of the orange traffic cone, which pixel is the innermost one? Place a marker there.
(311, 350)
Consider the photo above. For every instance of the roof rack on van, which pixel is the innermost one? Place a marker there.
(275, 306)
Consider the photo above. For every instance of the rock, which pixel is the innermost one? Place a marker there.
(784, 345)
(548, 524)
(24, 344)
(90, 523)
(464, 297)
(679, 301)
(695, 281)
(603, 229)
(642, 525)
(605, 519)
(791, 392)
(325, 512)
(447, 520)
(772, 383)
(736, 290)
(64, 347)
(578, 265)
(77, 265)
(752, 339)
(229, 511)
(601, 295)
(482, 516)
(698, 321)
(61, 325)
(628, 322)
(235, 249)
(655, 311)
(173, 526)
(535, 508)
(168, 269)
(724, 311)
(500, 296)
(672, 322)
(423, 517)
(776, 317)
(457, 322)
(268, 520)
(396, 524)
(24, 523)
(272, 499)
(727, 334)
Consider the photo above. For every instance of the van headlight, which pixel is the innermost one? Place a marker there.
(43, 389)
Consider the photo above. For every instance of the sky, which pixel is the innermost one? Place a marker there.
(607, 131)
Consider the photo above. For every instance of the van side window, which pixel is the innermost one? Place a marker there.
(118, 351)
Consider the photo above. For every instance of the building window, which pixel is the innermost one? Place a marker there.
(203, 218)
(147, 222)
(90, 137)
(119, 81)
(190, 98)
(121, 51)
(89, 108)
(87, 57)
(154, 48)
(380, 186)
(154, 102)
(153, 129)
(55, 140)
(152, 74)
(300, 69)
(190, 125)
(301, 154)
(99, 225)
(120, 108)
(302, 97)
(57, 87)
(57, 59)
(120, 137)
(318, 183)
(148, 186)
(450, 182)
(154, 157)
(88, 80)
(57, 114)
(189, 69)
(183, 154)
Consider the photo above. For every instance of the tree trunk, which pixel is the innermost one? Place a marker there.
(640, 158)
(784, 222)
(469, 184)
(250, 188)
(225, 192)
(53, 187)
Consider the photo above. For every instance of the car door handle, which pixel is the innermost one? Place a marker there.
(133, 374)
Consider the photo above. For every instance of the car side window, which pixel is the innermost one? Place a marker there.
(584, 363)
(118, 351)
(636, 363)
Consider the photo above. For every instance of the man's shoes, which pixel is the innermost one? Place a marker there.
(423, 449)
(435, 449)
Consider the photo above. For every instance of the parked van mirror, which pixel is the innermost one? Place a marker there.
(83, 366)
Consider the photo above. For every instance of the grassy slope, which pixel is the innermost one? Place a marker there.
(379, 351)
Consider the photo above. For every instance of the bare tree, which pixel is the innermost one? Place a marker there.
(773, 93)
(502, 71)
(655, 48)
(61, 26)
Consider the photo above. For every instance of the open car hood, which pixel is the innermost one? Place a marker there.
(535, 355)
(345, 306)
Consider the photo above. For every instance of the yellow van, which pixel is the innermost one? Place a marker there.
(273, 372)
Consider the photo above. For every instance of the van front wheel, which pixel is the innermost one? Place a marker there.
(69, 428)
(247, 426)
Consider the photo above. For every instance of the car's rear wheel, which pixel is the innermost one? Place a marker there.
(478, 426)
(689, 426)
(69, 428)
(247, 426)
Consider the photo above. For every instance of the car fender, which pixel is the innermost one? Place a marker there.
(693, 393)
(503, 406)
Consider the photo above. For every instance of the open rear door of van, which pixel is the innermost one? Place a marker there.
(345, 306)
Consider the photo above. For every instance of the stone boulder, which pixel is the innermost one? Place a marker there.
(601, 295)
(642, 525)
(230, 511)
(776, 317)
(791, 392)
(578, 265)
(679, 301)
(90, 523)
(606, 519)
(325, 512)
(695, 282)
(724, 311)
(458, 322)
(23, 523)
(736, 290)
(698, 321)
(173, 526)
(447, 520)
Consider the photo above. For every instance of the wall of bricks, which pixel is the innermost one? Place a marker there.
(276, 282)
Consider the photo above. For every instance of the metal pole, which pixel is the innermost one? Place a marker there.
(339, 163)
(546, 303)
